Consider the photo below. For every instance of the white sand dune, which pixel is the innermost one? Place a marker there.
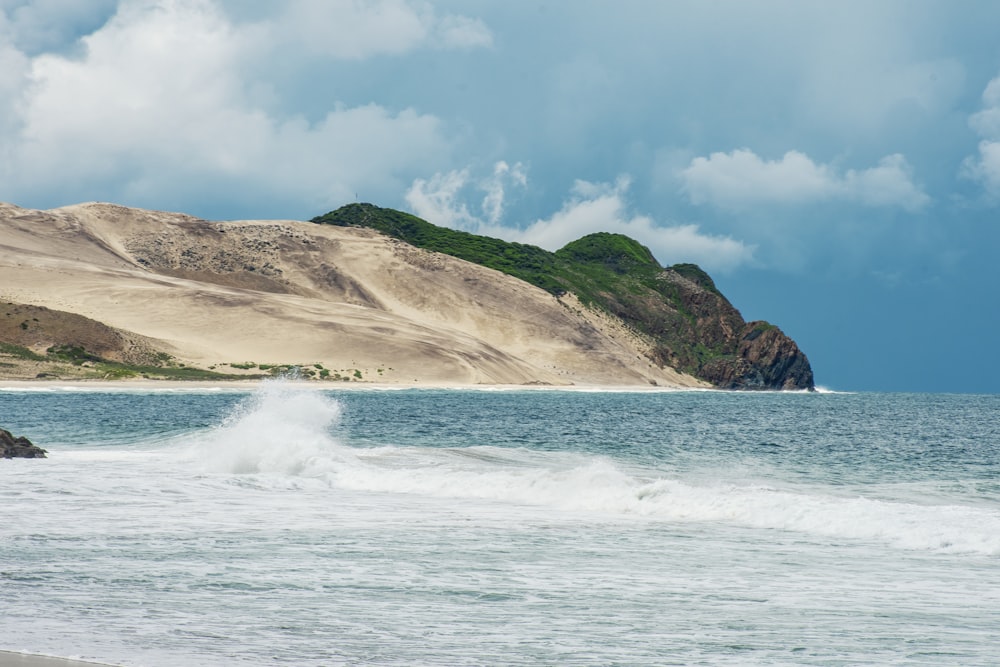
(290, 292)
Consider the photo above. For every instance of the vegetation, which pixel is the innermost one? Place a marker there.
(74, 354)
(610, 272)
(77, 362)
(20, 352)
(71, 358)
(529, 263)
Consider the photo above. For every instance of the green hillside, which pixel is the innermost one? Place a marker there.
(691, 325)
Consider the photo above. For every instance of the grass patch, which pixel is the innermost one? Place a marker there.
(86, 364)
(75, 354)
(245, 366)
(20, 352)
(185, 373)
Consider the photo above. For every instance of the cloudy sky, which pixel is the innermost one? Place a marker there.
(834, 166)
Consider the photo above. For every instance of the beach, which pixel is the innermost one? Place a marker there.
(144, 385)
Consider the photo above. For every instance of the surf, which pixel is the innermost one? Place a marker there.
(282, 431)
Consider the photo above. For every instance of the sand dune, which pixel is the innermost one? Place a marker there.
(283, 291)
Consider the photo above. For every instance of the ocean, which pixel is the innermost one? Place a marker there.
(291, 526)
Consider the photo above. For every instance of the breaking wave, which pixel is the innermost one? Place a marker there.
(290, 432)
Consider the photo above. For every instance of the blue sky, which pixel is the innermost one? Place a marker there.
(834, 166)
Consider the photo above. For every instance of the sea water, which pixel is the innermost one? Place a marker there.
(288, 526)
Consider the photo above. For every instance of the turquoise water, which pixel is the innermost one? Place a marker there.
(299, 527)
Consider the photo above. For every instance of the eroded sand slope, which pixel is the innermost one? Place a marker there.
(281, 291)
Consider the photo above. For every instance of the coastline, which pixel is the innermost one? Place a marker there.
(252, 385)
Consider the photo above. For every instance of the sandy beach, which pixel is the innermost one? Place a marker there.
(253, 385)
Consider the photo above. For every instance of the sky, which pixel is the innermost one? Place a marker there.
(834, 166)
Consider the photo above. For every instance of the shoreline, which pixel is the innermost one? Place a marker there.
(252, 385)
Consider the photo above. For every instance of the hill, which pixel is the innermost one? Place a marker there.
(119, 291)
(688, 323)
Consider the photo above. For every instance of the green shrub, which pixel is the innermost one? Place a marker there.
(20, 352)
(74, 354)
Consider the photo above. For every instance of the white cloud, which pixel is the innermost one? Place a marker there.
(987, 122)
(985, 167)
(601, 207)
(742, 178)
(462, 32)
(437, 200)
(352, 29)
(14, 67)
(590, 208)
(158, 106)
(888, 184)
(496, 188)
(441, 199)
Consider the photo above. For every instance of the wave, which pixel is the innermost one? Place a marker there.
(277, 429)
(287, 432)
(827, 390)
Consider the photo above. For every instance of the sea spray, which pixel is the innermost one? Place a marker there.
(279, 429)
(284, 430)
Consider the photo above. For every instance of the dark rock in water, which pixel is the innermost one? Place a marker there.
(19, 447)
(765, 358)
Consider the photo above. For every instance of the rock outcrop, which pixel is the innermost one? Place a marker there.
(18, 447)
(708, 338)
(697, 330)
(765, 359)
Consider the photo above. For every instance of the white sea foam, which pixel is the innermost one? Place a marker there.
(279, 429)
(275, 541)
(827, 390)
(282, 430)
(601, 488)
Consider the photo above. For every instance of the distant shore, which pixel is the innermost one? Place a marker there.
(252, 385)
